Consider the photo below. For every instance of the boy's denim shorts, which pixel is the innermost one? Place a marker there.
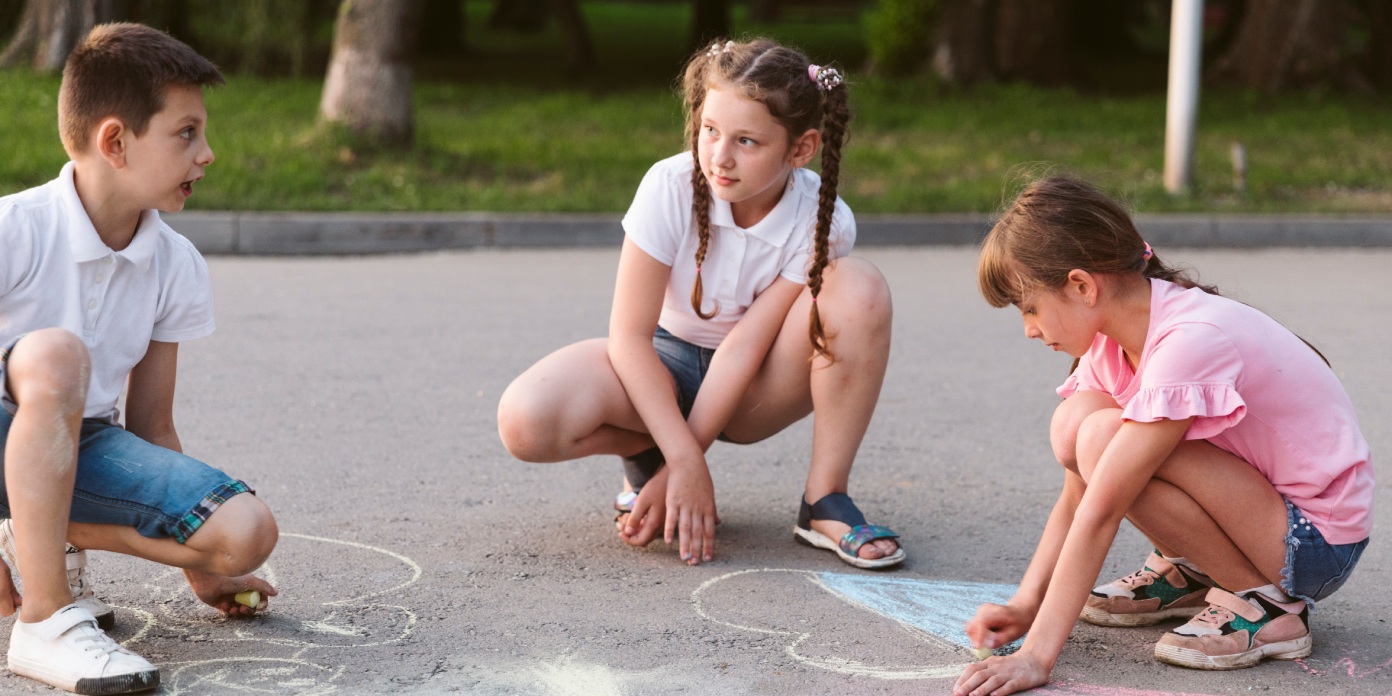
(1314, 568)
(124, 480)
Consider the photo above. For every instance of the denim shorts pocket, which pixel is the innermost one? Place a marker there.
(1336, 581)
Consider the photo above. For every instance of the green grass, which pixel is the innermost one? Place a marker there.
(505, 129)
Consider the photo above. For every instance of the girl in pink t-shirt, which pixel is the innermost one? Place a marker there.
(1222, 436)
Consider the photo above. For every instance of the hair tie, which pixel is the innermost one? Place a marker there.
(717, 48)
(1148, 253)
(825, 78)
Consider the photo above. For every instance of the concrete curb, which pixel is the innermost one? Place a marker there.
(295, 234)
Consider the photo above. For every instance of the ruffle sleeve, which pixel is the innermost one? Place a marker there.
(1214, 406)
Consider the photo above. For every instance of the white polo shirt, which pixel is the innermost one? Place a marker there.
(56, 272)
(740, 262)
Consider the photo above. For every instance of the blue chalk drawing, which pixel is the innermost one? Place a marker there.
(938, 607)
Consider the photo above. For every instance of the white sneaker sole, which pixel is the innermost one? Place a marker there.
(1195, 659)
(117, 684)
(1101, 617)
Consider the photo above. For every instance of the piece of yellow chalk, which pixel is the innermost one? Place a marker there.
(250, 598)
(982, 653)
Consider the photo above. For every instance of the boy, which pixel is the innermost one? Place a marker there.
(95, 294)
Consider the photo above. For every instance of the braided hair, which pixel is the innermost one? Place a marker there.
(801, 97)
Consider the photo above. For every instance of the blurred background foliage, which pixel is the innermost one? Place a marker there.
(561, 105)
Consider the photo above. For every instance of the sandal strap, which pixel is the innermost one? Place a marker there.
(863, 534)
(833, 506)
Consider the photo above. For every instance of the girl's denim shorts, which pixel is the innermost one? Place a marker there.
(1314, 568)
(687, 363)
(124, 480)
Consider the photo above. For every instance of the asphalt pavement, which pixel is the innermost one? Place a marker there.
(358, 396)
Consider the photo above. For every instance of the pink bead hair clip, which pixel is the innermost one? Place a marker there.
(825, 78)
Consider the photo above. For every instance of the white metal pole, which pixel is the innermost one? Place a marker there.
(1182, 107)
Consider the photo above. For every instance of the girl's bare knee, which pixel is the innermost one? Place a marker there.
(852, 282)
(520, 427)
(1094, 433)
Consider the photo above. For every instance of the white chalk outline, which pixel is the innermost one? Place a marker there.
(840, 666)
(317, 688)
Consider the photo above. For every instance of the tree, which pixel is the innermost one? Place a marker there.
(1379, 59)
(368, 87)
(1282, 44)
(1029, 40)
(48, 31)
(710, 20)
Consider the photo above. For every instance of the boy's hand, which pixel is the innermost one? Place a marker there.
(9, 596)
(691, 512)
(220, 591)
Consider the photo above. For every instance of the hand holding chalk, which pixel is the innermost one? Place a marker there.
(982, 653)
(250, 598)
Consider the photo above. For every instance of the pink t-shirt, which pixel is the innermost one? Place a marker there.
(1255, 390)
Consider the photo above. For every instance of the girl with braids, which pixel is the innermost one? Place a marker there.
(1223, 437)
(736, 313)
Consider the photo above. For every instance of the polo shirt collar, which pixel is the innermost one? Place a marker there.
(87, 245)
(776, 227)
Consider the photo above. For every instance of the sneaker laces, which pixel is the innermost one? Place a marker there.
(90, 638)
(1214, 616)
(1140, 578)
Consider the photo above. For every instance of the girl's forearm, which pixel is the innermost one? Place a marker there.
(1046, 554)
(649, 388)
(1079, 564)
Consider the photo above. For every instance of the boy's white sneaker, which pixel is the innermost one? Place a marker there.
(69, 651)
(77, 577)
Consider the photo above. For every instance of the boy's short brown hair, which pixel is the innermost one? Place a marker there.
(124, 70)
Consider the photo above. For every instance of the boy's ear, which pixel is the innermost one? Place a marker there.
(805, 147)
(111, 141)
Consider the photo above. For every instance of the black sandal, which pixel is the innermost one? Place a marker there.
(840, 507)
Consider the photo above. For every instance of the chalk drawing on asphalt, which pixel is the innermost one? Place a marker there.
(932, 612)
(298, 633)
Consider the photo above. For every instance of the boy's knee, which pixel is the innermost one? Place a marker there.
(243, 532)
(51, 367)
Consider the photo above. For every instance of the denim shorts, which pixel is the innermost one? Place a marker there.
(687, 363)
(124, 480)
(1314, 568)
(5, 401)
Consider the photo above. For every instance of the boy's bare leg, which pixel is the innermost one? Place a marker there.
(217, 559)
(47, 375)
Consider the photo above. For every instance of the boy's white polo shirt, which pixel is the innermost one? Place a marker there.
(740, 262)
(55, 271)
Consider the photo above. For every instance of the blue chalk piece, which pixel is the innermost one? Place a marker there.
(938, 607)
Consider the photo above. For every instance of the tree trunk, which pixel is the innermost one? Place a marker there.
(964, 54)
(710, 20)
(48, 31)
(368, 87)
(1290, 43)
(1379, 58)
(1033, 40)
(580, 55)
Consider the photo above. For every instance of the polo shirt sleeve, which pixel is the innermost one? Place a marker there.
(1192, 371)
(660, 214)
(17, 243)
(839, 243)
(185, 308)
